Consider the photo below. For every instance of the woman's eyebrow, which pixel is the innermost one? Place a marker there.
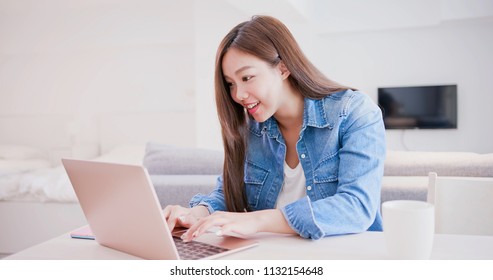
(239, 70)
(243, 69)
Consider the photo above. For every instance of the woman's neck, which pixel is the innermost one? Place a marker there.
(290, 115)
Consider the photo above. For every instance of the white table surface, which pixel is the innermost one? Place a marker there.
(367, 245)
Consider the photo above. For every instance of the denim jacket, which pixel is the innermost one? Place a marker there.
(341, 149)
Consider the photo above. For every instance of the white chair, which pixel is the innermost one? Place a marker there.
(462, 205)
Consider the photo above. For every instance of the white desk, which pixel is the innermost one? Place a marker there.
(367, 245)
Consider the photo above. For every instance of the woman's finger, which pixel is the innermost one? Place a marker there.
(167, 211)
(187, 220)
(173, 215)
(204, 224)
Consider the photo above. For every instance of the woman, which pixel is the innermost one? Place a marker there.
(303, 154)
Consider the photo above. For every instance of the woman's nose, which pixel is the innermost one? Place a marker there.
(241, 94)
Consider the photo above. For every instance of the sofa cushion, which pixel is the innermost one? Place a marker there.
(172, 160)
(405, 163)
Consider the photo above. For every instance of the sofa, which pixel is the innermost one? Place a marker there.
(180, 173)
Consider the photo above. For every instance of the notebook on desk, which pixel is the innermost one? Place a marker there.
(123, 212)
(84, 232)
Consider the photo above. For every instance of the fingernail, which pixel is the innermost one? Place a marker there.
(182, 218)
(183, 236)
(195, 234)
(219, 233)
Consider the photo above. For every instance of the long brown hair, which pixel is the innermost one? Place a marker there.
(270, 40)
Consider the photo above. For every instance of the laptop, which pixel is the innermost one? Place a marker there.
(123, 212)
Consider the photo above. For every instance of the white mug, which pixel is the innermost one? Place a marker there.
(409, 228)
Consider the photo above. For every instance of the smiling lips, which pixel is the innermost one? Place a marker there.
(252, 107)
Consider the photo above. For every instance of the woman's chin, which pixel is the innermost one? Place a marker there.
(260, 118)
(260, 115)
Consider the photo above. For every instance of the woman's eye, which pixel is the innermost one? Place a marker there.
(229, 85)
(247, 78)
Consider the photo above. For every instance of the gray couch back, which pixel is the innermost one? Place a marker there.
(171, 160)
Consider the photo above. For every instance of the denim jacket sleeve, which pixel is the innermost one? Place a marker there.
(355, 205)
(214, 201)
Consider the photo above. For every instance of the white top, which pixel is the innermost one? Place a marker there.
(293, 187)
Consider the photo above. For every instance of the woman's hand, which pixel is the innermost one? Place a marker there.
(176, 215)
(244, 224)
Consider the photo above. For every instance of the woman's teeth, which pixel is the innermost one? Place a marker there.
(251, 106)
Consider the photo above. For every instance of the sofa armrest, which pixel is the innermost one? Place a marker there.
(404, 187)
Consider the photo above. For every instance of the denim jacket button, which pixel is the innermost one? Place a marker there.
(309, 188)
(303, 156)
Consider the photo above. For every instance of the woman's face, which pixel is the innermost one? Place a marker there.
(254, 84)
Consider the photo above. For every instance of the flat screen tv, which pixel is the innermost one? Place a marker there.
(428, 107)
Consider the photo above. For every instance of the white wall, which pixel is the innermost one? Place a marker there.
(94, 59)
(146, 67)
(212, 23)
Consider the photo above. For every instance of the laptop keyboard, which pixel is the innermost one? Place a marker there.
(194, 250)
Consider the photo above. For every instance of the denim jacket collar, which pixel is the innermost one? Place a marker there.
(313, 115)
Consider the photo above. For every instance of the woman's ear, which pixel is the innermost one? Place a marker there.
(284, 70)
